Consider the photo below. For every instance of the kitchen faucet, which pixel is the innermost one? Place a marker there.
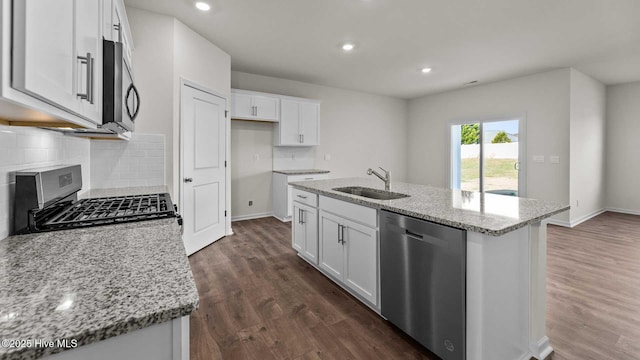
(386, 178)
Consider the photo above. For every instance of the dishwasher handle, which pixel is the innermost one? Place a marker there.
(413, 235)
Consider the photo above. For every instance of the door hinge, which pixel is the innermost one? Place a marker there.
(226, 113)
(225, 163)
(225, 213)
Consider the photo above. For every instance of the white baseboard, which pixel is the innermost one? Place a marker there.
(586, 217)
(541, 349)
(624, 211)
(251, 216)
(580, 220)
(288, 219)
(557, 222)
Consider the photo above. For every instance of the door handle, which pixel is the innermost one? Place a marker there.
(516, 166)
(340, 234)
(136, 102)
(188, 180)
(88, 95)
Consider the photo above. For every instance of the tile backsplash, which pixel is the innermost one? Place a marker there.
(25, 148)
(138, 162)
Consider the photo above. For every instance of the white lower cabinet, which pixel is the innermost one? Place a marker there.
(348, 241)
(282, 193)
(305, 231)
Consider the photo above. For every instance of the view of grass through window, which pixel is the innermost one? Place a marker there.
(500, 151)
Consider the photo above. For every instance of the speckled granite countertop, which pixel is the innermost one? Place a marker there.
(301, 172)
(484, 213)
(94, 283)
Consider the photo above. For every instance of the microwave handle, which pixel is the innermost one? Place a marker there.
(136, 102)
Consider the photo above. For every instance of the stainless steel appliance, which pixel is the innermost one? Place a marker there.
(121, 100)
(46, 200)
(423, 282)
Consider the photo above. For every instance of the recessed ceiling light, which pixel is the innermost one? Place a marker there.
(425, 70)
(348, 47)
(203, 6)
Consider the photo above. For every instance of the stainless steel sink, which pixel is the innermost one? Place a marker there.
(371, 193)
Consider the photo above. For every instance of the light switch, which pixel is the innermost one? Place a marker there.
(554, 159)
(538, 158)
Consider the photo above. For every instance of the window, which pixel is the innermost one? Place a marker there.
(486, 156)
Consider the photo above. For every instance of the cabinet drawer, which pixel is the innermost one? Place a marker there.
(304, 197)
(306, 177)
(358, 213)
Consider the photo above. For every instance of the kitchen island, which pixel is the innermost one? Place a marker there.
(505, 255)
(105, 292)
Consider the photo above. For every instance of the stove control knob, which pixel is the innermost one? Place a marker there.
(188, 180)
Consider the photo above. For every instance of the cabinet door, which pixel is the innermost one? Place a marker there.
(361, 253)
(89, 47)
(266, 108)
(331, 249)
(288, 126)
(241, 106)
(121, 31)
(309, 116)
(310, 223)
(44, 60)
(298, 229)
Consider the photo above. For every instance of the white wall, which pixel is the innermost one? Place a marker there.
(153, 70)
(358, 131)
(623, 147)
(171, 52)
(24, 148)
(251, 178)
(138, 162)
(587, 144)
(543, 98)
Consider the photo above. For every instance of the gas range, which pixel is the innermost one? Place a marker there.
(46, 200)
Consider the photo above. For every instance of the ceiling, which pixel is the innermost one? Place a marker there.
(462, 40)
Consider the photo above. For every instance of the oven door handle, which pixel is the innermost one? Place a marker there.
(136, 102)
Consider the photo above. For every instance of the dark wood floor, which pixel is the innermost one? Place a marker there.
(593, 289)
(258, 300)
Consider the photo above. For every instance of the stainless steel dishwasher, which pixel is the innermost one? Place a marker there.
(423, 282)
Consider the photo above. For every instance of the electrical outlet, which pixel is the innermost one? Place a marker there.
(554, 159)
(327, 157)
(250, 202)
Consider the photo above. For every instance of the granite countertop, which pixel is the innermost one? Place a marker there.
(94, 283)
(301, 172)
(484, 213)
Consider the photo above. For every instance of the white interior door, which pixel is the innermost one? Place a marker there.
(203, 150)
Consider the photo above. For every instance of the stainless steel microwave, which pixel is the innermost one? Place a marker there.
(121, 100)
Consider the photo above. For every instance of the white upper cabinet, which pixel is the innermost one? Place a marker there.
(44, 59)
(57, 54)
(89, 50)
(299, 123)
(249, 105)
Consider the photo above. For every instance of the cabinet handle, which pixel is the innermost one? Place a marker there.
(301, 216)
(301, 196)
(88, 95)
(340, 234)
(117, 27)
(302, 138)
